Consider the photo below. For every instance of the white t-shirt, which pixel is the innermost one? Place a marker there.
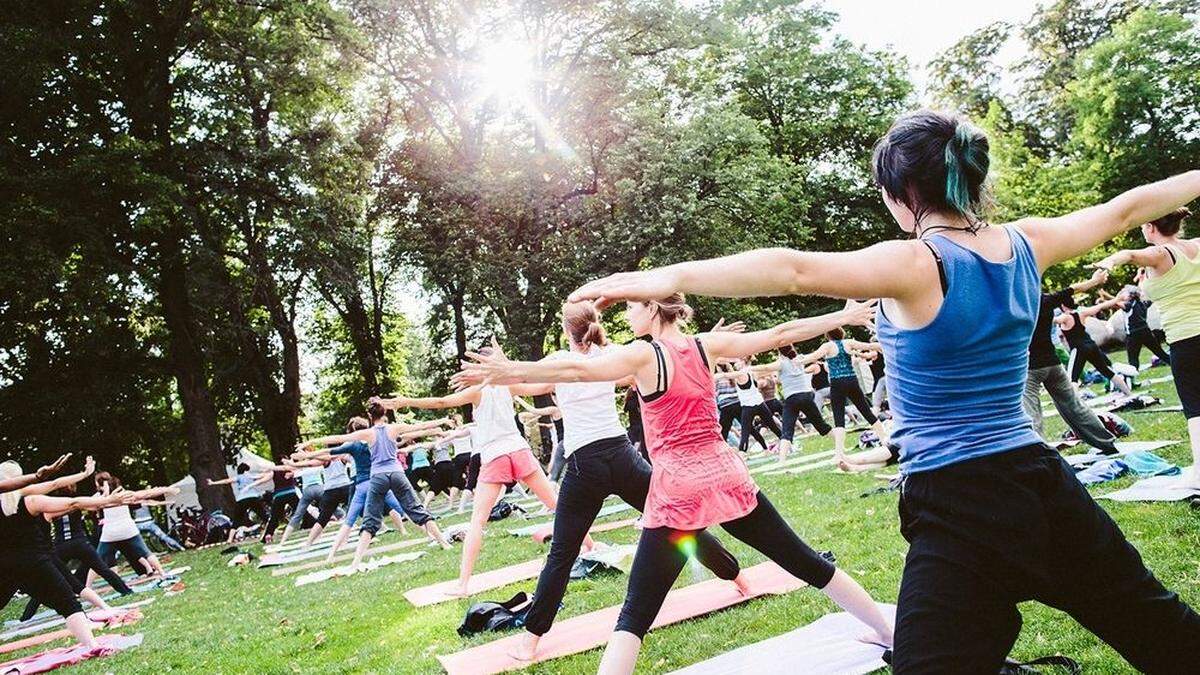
(496, 432)
(463, 444)
(337, 474)
(589, 409)
(118, 524)
(242, 489)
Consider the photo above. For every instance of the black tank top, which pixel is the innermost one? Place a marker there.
(1077, 335)
(23, 534)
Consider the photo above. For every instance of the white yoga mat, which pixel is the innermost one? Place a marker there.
(792, 461)
(346, 570)
(828, 645)
(1155, 489)
(529, 530)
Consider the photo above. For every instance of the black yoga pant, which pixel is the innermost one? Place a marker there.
(1144, 338)
(459, 471)
(595, 471)
(242, 509)
(1089, 352)
(443, 477)
(473, 467)
(81, 549)
(846, 389)
(729, 413)
(331, 499)
(803, 403)
(43, 578)
(749, 414)
(422, 474)
(659, 560)
(988, 533)
(279, 506)
(774, 405)
(1185, 366)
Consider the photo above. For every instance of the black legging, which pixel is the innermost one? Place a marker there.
(846, 388)
(594, 472)
(729, 413)
(242, 509)
(763, 413)
(43, 577)
(331, 499)
(279, 504)
(802, 403)
(659, 560)
(79, 548)
(1144, 338)
(1089, 352)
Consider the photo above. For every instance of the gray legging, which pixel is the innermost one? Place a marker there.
(1081, 419)
(309, 495)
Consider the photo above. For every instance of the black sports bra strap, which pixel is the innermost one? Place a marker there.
(937, 257)
(703, 354)
(661, 377)
(1170, 253)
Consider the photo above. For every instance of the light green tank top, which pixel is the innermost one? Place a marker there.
(1177, 295)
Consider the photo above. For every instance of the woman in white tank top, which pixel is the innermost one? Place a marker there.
(504, 456)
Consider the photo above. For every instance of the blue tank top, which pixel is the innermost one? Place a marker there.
(956, 384)
(383, 452)
(839, 366)
(792, 378)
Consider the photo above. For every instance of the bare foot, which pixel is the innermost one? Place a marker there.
(459, 592)
(743, 586)
(527, 650)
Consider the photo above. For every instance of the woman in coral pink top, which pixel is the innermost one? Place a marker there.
(698, 480)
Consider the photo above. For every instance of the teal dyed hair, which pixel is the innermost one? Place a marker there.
(966, 164)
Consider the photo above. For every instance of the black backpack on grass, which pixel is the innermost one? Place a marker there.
(495, 616)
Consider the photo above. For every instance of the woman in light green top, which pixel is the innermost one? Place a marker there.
(1172, 282)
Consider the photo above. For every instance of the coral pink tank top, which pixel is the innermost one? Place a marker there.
(697, 480)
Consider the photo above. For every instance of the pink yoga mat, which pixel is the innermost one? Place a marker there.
(66, 656)
(591, 630)
(118, 617)
(544, 534)
(484, 581)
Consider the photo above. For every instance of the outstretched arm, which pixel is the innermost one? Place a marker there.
(1154, 257)
(611, 366)
(223, 481)
(745, 344)
(89, 467)
(458, 399)
(1085, 312)
(1057, 239)
(893, 269)
(18, 482)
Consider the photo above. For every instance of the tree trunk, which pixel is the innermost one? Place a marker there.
(206, 459)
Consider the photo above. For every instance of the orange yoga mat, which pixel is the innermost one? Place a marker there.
(588, 631)
(484, 581)
(124, 619)
(543, 535)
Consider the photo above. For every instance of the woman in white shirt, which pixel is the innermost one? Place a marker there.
(119, 532)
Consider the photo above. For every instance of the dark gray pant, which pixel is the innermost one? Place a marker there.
(396, 483)
(1080, 418)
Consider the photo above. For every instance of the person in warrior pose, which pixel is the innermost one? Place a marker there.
(505, 459)
(993, 516)
(1172, 281)
(697, 479)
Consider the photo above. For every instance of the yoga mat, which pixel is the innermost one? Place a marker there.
(368, 566)
(326, 540)
(1123, 448)
(348, 555)
(277, 559)
(830, 644)
(148, 584)
(34, 640)
(591, 630)
(547, 532)
(609, 510)
(1154, 408)
(792, 461)
(1155, 489)
(66, 656)
(483, 581)
(31, 628)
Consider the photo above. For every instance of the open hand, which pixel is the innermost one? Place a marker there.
(54, 467)
(637, 286)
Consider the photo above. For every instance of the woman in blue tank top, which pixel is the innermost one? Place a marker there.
(843, 388)
(992, 515)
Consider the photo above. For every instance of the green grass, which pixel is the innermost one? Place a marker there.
(243, 619)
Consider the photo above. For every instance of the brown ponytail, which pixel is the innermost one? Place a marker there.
(672, 309)
(581, 322)
(1170, 224)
